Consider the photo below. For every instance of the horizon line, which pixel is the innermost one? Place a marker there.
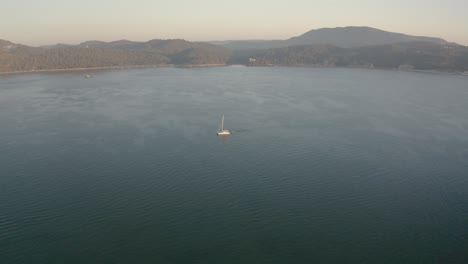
(222, 40)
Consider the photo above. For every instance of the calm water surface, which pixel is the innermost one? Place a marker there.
(323, 166)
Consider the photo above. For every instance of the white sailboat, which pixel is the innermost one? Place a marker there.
(222, 131)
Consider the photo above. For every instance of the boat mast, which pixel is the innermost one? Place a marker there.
(222, 123)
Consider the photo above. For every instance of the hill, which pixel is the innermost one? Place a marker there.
(350, 37)
(404, 55)
(344, 37)
(123, 53)
(327, 47)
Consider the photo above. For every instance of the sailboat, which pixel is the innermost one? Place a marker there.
(222, 131)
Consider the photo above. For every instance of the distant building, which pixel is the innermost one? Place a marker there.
(466, 73)
(252, 60)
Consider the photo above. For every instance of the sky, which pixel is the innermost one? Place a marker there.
(43, 22)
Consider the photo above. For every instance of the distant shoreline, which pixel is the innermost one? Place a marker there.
(219, 65)
(114, 67)
(365, 68)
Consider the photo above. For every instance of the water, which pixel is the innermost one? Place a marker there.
(323, 166)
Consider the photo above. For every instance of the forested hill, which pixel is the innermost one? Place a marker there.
(405, 55)
(17, 57)
(336, 47)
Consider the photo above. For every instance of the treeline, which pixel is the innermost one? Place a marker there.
(407, 55)
(15, 57)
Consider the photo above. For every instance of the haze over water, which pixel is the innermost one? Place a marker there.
(323, 166)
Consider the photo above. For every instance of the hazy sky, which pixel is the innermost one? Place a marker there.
(39, 22)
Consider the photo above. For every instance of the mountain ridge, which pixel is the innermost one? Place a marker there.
(354, 36)
(98, 54)
(317, 47)
(345, 37)
(404, 56)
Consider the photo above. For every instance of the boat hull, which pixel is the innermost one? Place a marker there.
(223, 133)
